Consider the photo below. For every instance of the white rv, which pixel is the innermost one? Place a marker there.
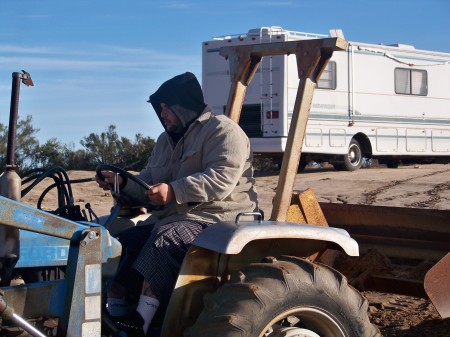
(389, 102)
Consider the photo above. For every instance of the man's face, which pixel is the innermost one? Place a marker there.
(171, 121)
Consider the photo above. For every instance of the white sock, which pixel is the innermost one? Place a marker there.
(147, 307)
(117, 306)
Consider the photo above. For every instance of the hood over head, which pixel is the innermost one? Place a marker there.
(183, 95)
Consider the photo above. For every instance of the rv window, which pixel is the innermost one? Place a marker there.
(250, 120)
(328, 78)
(411, 82)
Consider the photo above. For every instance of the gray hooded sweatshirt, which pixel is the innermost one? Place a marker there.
(209, 165)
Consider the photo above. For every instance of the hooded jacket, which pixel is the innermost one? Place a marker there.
(208, 165)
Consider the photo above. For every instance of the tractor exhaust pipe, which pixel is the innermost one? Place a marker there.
(13, 115)
(10, 184)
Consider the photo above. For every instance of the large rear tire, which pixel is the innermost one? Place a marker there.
(292, 297)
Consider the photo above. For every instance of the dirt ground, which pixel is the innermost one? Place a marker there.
(420, 186)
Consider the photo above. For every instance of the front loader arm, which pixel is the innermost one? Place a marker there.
(77, 298)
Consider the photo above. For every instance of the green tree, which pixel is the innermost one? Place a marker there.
(102, 148)
(134, 155)
(108, 148)
(79, 160)
(26, 144)
(52, 152)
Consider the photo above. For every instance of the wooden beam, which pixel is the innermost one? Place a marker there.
(312, 57)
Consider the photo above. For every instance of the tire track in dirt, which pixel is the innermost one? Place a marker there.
(371, 196)
(405, 195)
(434, 198)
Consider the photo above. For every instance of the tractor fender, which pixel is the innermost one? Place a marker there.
(231, 237)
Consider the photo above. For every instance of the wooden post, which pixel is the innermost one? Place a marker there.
(243, 66)
(291, 158)
(312, 57)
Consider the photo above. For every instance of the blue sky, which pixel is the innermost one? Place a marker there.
(95, 62)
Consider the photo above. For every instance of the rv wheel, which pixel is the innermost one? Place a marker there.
(353, 158)
(302, 165)
(392, 163)
(339, 166)
(292, 297)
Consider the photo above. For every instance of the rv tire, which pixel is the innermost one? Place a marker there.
(302, 165)
(339, 167)
(354, 156)
(392, 163)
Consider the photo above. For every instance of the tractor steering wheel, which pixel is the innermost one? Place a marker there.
(121, 198)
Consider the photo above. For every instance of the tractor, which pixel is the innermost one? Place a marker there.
(242, 278)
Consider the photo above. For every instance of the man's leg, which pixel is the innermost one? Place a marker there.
(147, 306)
(127, 281)
(159, 263)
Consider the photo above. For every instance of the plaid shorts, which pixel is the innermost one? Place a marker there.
(160, 259)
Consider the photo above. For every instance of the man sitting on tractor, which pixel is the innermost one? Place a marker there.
(200, 172)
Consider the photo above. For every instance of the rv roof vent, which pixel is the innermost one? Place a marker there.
(402, 46)
(266, 31)
(337, 33)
